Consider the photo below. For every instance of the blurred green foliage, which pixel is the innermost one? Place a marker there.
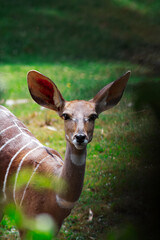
(38, 181)
(40, 227)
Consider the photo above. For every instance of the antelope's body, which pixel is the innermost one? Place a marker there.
(19, 149)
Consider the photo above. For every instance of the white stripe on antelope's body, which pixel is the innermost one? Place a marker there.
(20, 150)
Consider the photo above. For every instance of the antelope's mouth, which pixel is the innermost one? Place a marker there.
(80, 145)
(79, 142)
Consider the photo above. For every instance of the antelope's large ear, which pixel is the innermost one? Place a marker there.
(44, 91)
(111, 94)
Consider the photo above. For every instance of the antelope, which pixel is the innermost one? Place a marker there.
(19, 148)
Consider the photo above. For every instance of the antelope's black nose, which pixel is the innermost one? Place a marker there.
(80, 138)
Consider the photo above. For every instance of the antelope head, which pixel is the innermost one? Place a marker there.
(78, 115)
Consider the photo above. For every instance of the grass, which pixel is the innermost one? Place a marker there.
(82, 46)
(50, 31)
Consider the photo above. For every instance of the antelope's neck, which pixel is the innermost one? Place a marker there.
(73, 172)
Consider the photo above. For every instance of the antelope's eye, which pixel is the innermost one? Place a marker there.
(65, 116)
(93, 117)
